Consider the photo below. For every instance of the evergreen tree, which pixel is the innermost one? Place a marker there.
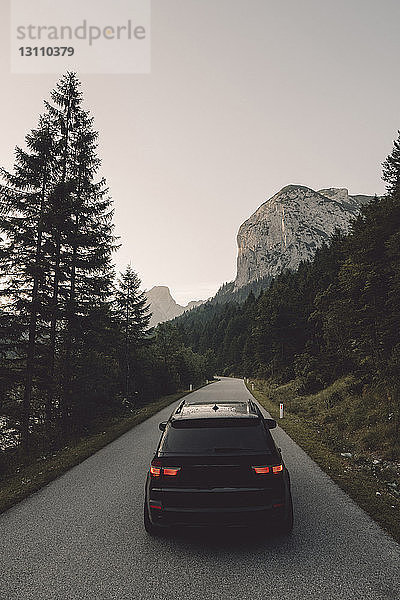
(134, 316)
(55, 256)
(391, 169)
(64, 111)
(24, 264)
(87, 249)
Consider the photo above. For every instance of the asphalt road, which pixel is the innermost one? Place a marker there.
(81, 537)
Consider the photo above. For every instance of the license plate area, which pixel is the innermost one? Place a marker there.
(218, 499)
(211, 476)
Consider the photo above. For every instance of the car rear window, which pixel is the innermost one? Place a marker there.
(216, 437)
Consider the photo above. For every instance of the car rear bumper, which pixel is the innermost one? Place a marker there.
(240, 507)
(226, 518)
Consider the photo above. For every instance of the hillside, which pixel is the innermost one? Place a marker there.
(335, 316)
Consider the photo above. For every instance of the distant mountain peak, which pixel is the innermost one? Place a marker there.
(289, 227)
(293, 187)
(163, 307)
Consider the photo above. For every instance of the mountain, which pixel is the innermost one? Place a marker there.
(163, 307)
(289, 227)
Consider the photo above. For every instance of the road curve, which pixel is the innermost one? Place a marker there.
(81, 537)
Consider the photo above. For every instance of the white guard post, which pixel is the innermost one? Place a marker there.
(281, 411)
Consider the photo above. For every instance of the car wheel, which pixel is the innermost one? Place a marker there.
(285, 526)
(148, 525)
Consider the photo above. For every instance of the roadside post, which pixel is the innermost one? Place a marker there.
(191, 387)
(281, 410)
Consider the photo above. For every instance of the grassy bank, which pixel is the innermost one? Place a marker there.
(369, 474)
(32, 477)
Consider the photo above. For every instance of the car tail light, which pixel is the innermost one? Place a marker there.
(261, 470)
(157, 506)
(155, 468)
(171, 470)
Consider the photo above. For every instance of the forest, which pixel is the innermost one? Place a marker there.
(75, 346)
(336, 317)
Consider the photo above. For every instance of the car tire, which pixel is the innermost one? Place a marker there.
(285, 526)
(148, 525)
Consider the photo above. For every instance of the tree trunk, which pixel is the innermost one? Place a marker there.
(30, 357)
(54, 315)
(71, 315)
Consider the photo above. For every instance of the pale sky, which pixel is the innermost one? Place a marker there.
(244, 97)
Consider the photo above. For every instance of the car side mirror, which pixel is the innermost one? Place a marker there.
(270, 423)
(162, 426)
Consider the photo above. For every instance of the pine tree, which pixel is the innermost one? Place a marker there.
(133, 314)
(24, 264)
(391, 169)
(55, 256)
(63, 111)
(88, 246)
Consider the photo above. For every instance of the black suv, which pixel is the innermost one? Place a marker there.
(217, 464)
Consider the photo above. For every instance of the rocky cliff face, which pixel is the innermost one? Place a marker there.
(163, 307)
(289, 227)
